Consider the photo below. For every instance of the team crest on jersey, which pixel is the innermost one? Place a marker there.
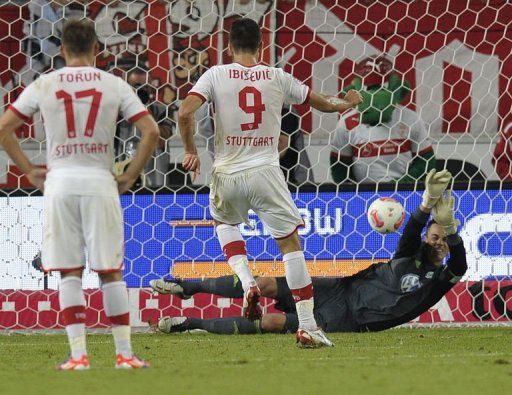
(410, 283)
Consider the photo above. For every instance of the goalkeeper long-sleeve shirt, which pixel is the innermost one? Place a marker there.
(389, 294)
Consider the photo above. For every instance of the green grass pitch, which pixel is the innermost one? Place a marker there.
(402, 361)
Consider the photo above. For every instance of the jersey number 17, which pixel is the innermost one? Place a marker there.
(70, 114)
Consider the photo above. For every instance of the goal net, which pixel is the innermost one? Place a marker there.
(454, 56)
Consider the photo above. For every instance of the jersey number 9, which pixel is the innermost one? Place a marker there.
(256, 108)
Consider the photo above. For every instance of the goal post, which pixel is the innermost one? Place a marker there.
(453, 55)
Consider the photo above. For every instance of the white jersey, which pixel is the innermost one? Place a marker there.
(382, 152)
(247, 103)
(79, 107)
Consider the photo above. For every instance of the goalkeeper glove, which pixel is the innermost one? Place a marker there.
(444, 215)
(435, 184)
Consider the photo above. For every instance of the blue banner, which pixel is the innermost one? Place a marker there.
(335, 228)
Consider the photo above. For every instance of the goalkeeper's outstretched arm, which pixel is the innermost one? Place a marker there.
(444, 215)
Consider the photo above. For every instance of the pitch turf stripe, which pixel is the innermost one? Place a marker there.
(89, 342)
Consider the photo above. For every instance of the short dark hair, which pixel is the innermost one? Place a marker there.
(78, 36)
(245, 35)
(430, 223)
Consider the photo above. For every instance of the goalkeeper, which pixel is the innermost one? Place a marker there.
(380, 297)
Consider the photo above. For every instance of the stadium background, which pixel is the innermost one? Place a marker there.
(456, 55)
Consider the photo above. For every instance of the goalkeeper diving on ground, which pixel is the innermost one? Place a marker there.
(380, 297)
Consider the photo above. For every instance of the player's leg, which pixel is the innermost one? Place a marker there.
(274, 206)
(103, 230)
(269, 323)
(63, 251)
(233, 246)
(309, 333)
(72, 305)
(115, 303)
(267, 286)
(228, 207)
(226, 286)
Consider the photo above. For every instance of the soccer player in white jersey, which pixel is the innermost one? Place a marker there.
(248, 98)
(80, 106)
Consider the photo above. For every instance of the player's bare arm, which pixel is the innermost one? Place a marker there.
(186, 124)
(9, 122)
(149, 137)
(283, 144)
(335, 104)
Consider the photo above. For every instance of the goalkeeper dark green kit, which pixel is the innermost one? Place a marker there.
(380, 297)
(385, 294)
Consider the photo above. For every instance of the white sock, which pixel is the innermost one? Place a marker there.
(76, 338)
(233, 246)
(72, 305)
(122, 339)
(305, 314)
(296, 271)
(240, 265)
(115, 302)
(299, 282)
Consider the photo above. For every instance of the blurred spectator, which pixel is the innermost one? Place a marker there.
(502, 156)
(293, 157)
(381, 141)
(127, 136)
(43, 30)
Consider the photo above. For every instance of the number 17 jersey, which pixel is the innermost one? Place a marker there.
(80, 108)
(247, 103)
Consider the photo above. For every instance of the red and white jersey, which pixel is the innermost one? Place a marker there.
(247, 104)
(80, 108)
(382, 152)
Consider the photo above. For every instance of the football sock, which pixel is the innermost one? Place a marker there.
(299, 282)
(115, 302)
(72, 305)
(233, 246)
(226, 326)
(227, 286)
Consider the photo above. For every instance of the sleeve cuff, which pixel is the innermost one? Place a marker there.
(19, 114)
(138, 116)
(420, 216)
(308, 95)
(203, 99)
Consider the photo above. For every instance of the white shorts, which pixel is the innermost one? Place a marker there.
(263, 190)
(75, 225)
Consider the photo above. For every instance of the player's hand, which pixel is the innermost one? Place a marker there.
(353, 97)
(192, 163)
(435, 184)
(37, 177)
(124, 183)
(444, 215)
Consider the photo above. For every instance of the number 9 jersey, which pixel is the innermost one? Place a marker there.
(247, 103)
